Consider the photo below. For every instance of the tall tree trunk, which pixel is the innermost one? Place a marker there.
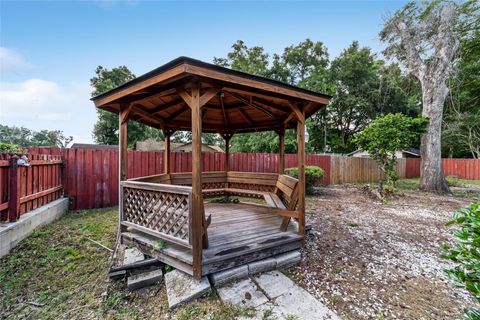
(431, 172)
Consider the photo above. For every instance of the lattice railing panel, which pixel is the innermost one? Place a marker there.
(248, 186)
(213, 185)
(160, 211)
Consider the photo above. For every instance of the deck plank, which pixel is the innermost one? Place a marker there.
(239, 233)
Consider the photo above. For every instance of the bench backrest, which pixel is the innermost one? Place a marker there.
(287, 190)
(284, 186)
(252, 181)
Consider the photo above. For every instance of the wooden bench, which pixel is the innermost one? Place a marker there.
(278, 190)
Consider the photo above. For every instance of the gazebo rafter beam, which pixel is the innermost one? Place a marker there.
(245, 116)
(139, 110)
(177, 113)
(204, 98)
(141, 98)
(185, 96)
(253, 105)
(225, 118)
(296, 110)
(125, 115)
(209, 94)
(270, 104)
(167, 105)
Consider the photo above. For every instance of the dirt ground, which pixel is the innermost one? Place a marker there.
(372, 259)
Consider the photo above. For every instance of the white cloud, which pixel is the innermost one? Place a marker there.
(40, 104)
(35, 99)
(10, 60)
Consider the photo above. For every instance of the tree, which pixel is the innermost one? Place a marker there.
(28, 138)
(461, 125)
(304, 64)
(105, 130)
(354, 75)
(249, 60)
(423, 37)
(462, 133)
(387, 134)
(362, 86)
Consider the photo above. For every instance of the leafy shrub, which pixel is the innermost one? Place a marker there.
(10, 148)
(387, 134)
(313, 174)
(466, 252)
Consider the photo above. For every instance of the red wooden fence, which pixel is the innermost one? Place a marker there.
(90, 176)
(24, 188)
(461, 168)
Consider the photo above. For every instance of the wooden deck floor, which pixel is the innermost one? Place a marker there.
(239, 234)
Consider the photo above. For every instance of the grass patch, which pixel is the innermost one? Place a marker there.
(213, 309)
(57, 272)
(57, 269)
(353, 224)
(408, 184)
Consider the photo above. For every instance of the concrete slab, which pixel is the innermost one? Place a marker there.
(132, 255)
(274, 283)
(244, 293)
(268, 311)
(223, 277)
(275, 296)
(145, 279)
(182, 287)
(299, 304)
(12, 233)
(289, 259)
(262, 266)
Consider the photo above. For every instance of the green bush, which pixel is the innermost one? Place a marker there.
(313, 174)
(466, 252)
(10, 148)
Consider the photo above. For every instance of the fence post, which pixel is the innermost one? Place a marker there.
(13, 201)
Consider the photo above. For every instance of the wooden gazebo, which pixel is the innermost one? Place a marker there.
(165, 215)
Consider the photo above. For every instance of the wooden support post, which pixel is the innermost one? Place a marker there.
(301, 171)
(122, 144)
(227, 154)
(166, 152)
(14, 197)
(227, 137)
(281, 151)
(197, 198)
(122, 161)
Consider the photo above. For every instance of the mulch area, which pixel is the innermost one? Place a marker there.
(372, 259)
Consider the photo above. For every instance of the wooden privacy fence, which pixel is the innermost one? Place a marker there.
(24, 188)
(351, 170)
(90, 176)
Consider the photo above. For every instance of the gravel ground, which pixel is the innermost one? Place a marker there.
(371, 260)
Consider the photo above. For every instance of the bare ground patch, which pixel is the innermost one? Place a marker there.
(367, 259)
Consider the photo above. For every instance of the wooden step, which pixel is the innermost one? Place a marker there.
(171, 254)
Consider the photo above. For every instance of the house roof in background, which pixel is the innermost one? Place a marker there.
(412, 151)
(93, 146)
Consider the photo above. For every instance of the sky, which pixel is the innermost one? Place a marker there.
(49, 50)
